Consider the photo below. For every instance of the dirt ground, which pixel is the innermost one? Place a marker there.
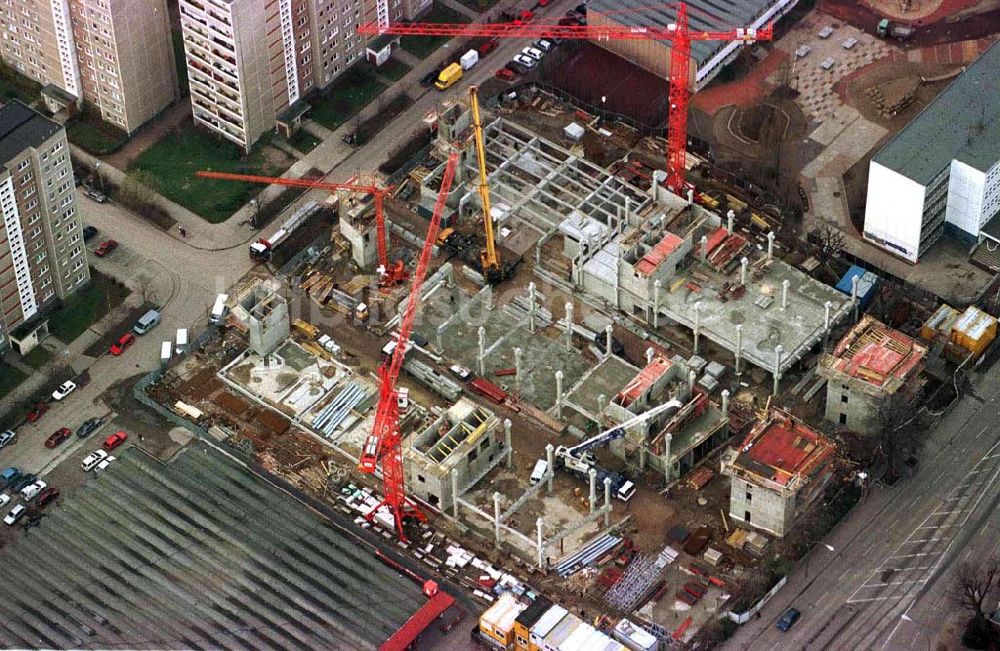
(932, 29)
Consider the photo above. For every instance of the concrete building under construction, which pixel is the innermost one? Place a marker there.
(870, 365)
(777, 471)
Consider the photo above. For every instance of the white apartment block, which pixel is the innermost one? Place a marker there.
(42, 257)
(942, 172)
(115, 55)
(251, 60)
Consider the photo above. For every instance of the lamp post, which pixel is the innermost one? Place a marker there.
(920, 627)
(811, 545)
(97, 171)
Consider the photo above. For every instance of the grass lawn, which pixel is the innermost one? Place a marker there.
(38, 357)
(393, 69)
(180, 61)
(369, 128)
(95, 135)
(304, 141)
(15, 85)
(422, 46)
(174, 160)
(10, 378)
(85, 308)
(355, 89)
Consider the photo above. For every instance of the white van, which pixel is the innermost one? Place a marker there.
(29, 491)
(219, 309)
(182, 341)
(541, 467)
(146, 322)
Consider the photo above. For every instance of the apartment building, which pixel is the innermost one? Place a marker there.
(115, 55)
(250, 61)
(42, 257)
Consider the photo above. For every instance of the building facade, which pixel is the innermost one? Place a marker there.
(942, 172)
(42, 257)
(114, 55)
(250, 61)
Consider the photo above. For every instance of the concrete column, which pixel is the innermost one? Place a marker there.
(642, 457)
(518, 367)
(704, 247)
(778, 350)
(454, 491)
(692, 377)
(488, 297)
(770, 246)
(725, 402)
(569, 325)
(854, 297)
(608, 338)
(690, 196)
(450, 276)
(481, 357)
(628, 211)
(739, 346)
(826, 317)
(602, 401)
(650, 354)
(550, 457)
(506, 442)
(440, 337)
(730, 216)
(743, 270)
(539, 529)
(593, 489)
(657, 286)
(538, 254)
(667, 461)
(531, 307)
(496, 518)
(607, 501)
(697, 325)
(784, 293)
(559, 394)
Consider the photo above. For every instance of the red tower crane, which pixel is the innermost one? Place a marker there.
(384, 444)
(389, 274)
(679, 33)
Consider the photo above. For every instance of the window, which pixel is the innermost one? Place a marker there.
(749, 496)
(421, 479)
(485, 444)
(746, 517)
(473, 455)
(843, 399)
(843, 419)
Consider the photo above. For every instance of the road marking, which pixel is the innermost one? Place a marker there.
(922, 540)
(982, 430)
(910, 555)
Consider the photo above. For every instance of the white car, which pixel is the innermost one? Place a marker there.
(93, 459)
(525, 61)
(102, 466)
(15, 514)
(64, 390)
(533, 53)
(4, 498)
(544, 45)
(29, 491)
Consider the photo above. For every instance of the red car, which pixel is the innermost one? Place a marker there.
(122, 344)
(487, 47)
(47, 495)
(105, 248)
(506, 74)
(527, 16)
(58, 437)
(115, 440)
(37, 411)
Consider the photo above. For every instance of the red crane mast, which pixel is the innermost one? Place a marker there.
(390, 274)
(679, 33)
(384, 444)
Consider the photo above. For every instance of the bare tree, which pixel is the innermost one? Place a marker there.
(829, 242)
(978, 585)
(898, 428)
(138, 188)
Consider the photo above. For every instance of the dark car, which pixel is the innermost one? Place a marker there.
(568, 22)
(46, 496)
(788, 619)
(88, 427)
(519, 68)
(428, 80)
(88, 233)
(9, 476)
(581, 9)
(36, 412)
(58, 437)
(22, 481)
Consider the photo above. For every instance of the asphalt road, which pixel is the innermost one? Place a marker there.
(896, 552)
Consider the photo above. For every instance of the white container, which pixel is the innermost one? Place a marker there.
(469, 59)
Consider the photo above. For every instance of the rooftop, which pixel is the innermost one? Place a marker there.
(962, 123)
(22, 127)
(874, 352)
(782, 450)
(658, 254)
(643, 380)
(503, 612)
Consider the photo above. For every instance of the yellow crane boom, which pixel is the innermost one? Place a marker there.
(489, 258)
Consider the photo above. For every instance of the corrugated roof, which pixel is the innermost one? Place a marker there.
(658, 254)
(549, 621)
(962, 123)
(418, 622)
(974, 323)
(22, 127)
(503, 612)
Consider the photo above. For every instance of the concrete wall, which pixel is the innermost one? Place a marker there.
(966, 193)
(767, 510)
(894, 211)
(853, 410)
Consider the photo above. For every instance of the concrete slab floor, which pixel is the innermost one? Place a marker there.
(607, 378)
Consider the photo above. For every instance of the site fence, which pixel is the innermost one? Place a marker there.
(744, 617)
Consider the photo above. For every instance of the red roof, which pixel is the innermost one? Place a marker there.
(416, 624)
(715, 238)
(641, 382)
(874, 352)
(658, 254)
(782, 447)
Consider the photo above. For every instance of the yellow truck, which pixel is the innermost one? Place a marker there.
(448, 77)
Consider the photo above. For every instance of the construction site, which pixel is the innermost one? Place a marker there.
(541, 369)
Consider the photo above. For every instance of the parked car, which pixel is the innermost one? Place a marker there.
(122, 344)
(94, 194)
(22, 481)
(428, 80)
(487, 47)
(544, 44)
(36, 412)
(58, 437)
(460, 372)
(518, 68)
(15, 514)
(788, 619)
(88, 233)
(7, 436)
(567, 22)
(534, 53)
(105, 247)
(88, 427)
(102, 466)
(506, 74)
(31, 490)
(9, 476)
(92, 459)
(4, 498)
(115, 440)
(64, 390)
(46, 496)
(525, 61)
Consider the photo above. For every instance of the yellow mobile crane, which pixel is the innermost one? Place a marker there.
(493, 270)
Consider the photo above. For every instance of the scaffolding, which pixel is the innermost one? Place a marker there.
(634, 585)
